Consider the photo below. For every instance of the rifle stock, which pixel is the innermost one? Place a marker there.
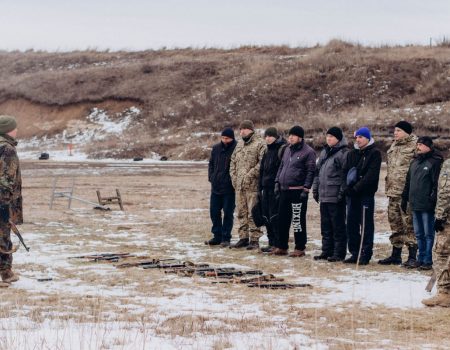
(17, 233)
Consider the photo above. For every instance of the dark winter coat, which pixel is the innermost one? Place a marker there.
(297, 167)
(270, 164)
(422, 181)
(330, 177)
(368, 164)
(219, 168)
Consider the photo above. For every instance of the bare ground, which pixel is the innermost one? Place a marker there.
(96, 305)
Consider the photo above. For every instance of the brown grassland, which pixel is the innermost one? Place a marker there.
(166, 215)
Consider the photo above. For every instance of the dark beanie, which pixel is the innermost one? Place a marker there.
(426, 140)
(405, 126)
(297, 131)
(7, 124)
(336, 132)
(228, 132)
(247, 124)
(271, 132)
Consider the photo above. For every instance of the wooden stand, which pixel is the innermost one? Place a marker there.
(110, 200)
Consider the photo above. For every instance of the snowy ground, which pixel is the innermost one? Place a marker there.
(97, 306)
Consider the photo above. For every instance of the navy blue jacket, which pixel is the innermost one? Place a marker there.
(219, 168)
(297, 167)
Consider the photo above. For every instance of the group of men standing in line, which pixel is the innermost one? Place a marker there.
(278, 175)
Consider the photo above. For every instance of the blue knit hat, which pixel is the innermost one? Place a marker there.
(364, 131)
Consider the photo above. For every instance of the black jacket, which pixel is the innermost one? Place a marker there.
(368, 164)
(297, 167)
(270, 164)
(219, 168)
(422, 181)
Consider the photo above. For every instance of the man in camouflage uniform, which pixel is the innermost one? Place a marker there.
(399, 157)
(10, 195)
(244, 172)
(442, 246)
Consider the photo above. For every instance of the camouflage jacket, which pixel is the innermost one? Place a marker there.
(399, 157)
(10, 178)
(443, 197)
(245, 163)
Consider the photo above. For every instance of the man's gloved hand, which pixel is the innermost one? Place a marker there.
(316, 196)
(404, 205)
(304, 195)
(439, 225)
(4, 212)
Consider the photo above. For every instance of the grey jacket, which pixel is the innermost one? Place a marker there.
(330, 174)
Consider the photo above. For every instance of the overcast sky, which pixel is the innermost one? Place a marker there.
(138, 25)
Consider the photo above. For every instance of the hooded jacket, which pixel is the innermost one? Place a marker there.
(330, 177)
(297, 167)
(368, 164)
(422, 181)
(270, 164)
(10, 178)
(399, 157)
(219, 168)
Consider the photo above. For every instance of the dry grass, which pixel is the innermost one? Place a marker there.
(132, 297)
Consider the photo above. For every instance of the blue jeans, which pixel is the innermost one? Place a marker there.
(221, 229)
(355, 211)
(423, 222)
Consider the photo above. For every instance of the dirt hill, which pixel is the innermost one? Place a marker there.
(172, 102)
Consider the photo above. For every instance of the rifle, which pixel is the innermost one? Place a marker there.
(102, 256)
(279, 285)
(431, 282)
(16, 231)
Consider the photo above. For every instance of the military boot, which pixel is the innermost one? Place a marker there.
(243, 242)
(4, 285)
(411, 262)
(394, 259)
(442, 298)
(253, 245)
(8, 276)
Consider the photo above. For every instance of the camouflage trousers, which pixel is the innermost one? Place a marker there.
(5, 245)
(442, 259)
(245, 201)
(401, 225)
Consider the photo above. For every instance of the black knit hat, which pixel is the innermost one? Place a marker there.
(228, 132)
(247, 124)
(336, 132)
(271, 132)
(297, 131)
(405, 126)
(426, 140)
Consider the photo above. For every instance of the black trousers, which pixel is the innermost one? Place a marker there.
(292, 208)
(355, 210)
(270, 206)
(333, 229)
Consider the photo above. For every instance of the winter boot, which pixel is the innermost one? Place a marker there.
(8, 276)
(243, 242)
(4, 285)
(394, 259)
(425, 267)
(225, 244)
(279, 251)
(212, 241)
(322, 256)
(253, 245)
(267, 249)
(297, 253)
(442, 298)
(335, 258)
(411, 262)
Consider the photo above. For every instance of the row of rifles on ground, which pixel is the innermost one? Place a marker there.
(270, 183)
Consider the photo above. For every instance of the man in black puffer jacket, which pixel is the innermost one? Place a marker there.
(420, 191)
(328, 187)
(222, 191)
(363, 172)
(268, 172)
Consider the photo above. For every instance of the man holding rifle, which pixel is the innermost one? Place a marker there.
(10, 196)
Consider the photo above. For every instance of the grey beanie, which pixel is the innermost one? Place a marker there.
(7, 124)
(247, 124)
